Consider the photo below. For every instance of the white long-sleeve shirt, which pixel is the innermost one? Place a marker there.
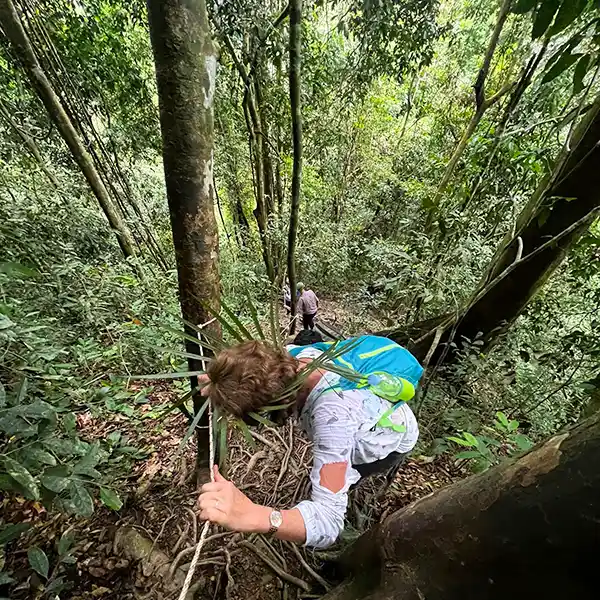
(341, 425)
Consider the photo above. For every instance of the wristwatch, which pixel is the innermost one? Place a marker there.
(275, 521)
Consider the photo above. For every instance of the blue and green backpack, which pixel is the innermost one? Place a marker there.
(384, 367)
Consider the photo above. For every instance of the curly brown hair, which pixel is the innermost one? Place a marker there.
(249, 376)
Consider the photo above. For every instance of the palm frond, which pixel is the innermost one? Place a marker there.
(262, 420)
(204, 334)
(179, 375)
(254, 316)
(224, 322)
(192, 427)
(222, 430)
(239, 424)
(236, 320)
(190, 338)
(184, 354)
(274, 319)
(178, 403)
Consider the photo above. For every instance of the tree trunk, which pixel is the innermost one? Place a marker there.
(560, 211)
(186, 62)
(295, 104)
(528, 528)
(11, 24)
(30, 144)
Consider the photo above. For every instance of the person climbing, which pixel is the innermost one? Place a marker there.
(307, 306)
(358, 426)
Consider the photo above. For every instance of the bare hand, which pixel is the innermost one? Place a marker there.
(222, 503)
(204, 381)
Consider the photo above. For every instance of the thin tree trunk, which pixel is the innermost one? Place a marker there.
(482, 104)
(523, 83)
(296, 108)
(186, 62)
(256, 138)
(528, 528)
(30, 144)
(11, 24)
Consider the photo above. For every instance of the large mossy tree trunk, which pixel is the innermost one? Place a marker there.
(186, 62)
(20, 43)
(563, 207)
(528, 528)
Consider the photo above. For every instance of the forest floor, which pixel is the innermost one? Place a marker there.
(143, 550)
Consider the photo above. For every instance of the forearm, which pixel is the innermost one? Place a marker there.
(292, 529)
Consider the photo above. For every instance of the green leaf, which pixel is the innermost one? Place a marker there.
(39, 456)
(56, 586)
(55, 479)
(12, 532)
(65, 542)
(15, 268)
(460, 441)
(560, 66)
(70, 423)
(38, 561)
(469, 437)
(114, 437)
(22, 391)
(12, 424)
(88, 471)
(192, 427)
(90, 460)
(468, 454)
(544, 15)
(5, 579)
(524, 6)
(502, 418)
(22, 476)
(81, 499)
(581, 70)
(522, 441)
(110, 498)
(62, 447)
(567, 13)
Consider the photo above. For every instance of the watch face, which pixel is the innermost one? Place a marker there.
(276, 518)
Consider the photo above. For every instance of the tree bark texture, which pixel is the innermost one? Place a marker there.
(186, 62)
(528, 528)
(13, 28)
(296, 108)
(559, 212)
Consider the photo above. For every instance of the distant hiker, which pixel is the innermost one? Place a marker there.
(358, 427)
(307, 306)
(287, 297)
